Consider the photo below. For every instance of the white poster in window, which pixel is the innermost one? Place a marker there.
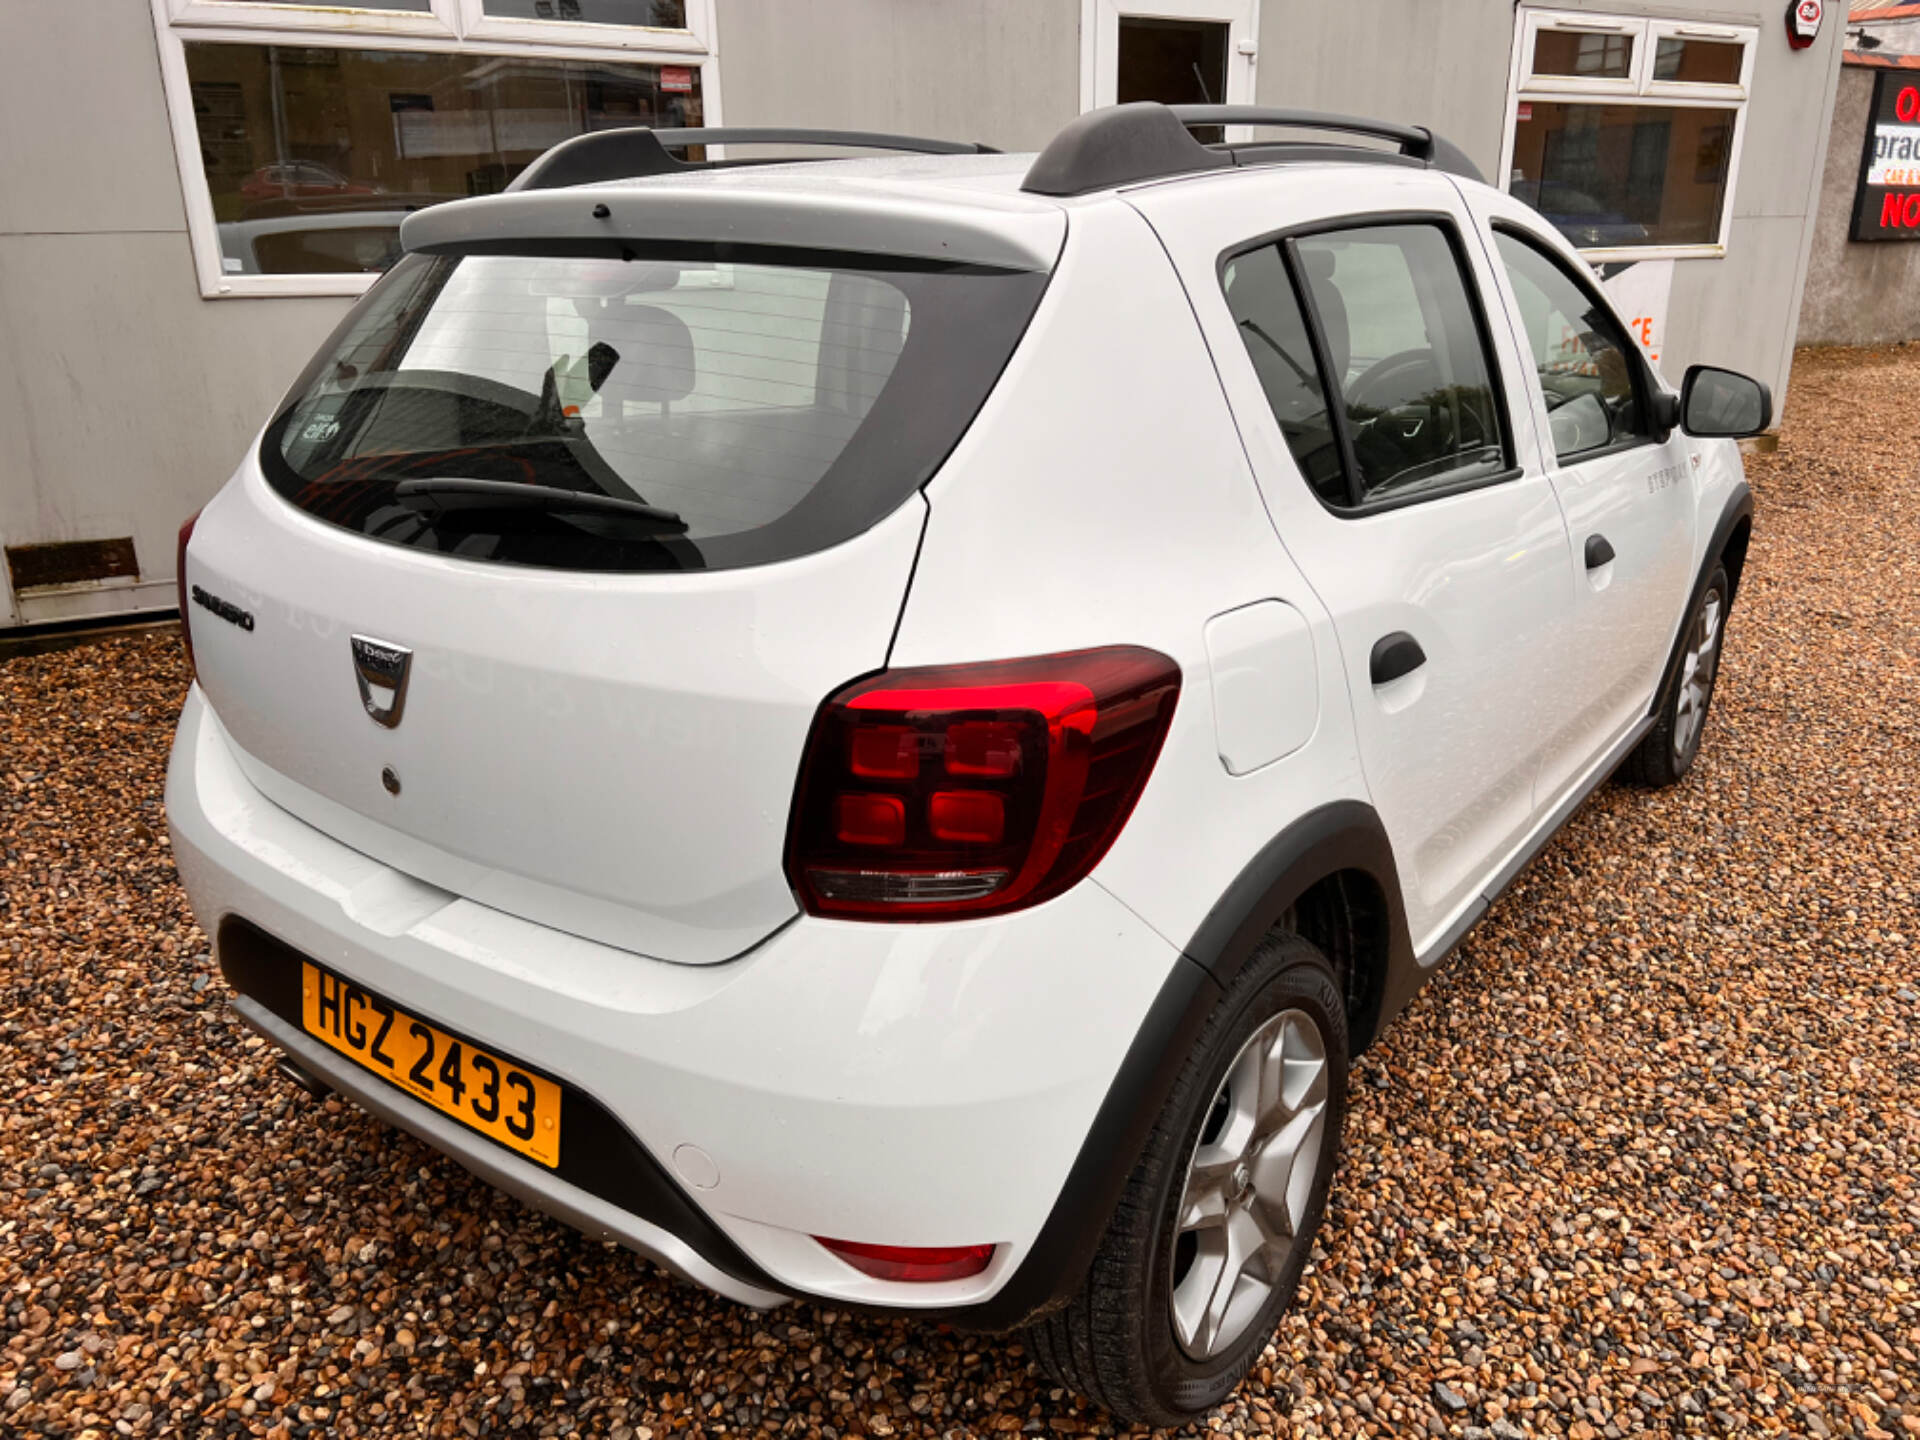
(1639, 290)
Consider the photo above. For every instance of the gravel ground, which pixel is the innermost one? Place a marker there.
(1644, 1159)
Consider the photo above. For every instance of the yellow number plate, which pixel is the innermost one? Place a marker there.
(483, 1092)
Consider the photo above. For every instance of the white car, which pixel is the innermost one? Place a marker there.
(882, 730)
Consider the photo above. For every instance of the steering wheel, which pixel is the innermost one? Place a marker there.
(1410, 372)
(1406, 405)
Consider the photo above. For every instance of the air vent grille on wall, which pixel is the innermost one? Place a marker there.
(70, 562)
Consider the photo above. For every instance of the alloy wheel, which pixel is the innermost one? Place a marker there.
(1696, 676)
(1248, 1184)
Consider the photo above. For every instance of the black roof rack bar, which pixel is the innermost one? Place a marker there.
(1124, 144)
(787, 135)
(637, 151)
(1415, 141)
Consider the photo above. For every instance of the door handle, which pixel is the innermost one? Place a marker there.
(1599, 552)
(1395, 656)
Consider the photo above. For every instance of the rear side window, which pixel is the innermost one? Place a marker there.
(1374, 360)
(1410, 363)
(692, 410)
(1581, 355)
(1275, 332)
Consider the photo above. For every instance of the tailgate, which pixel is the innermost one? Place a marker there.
(613, 755)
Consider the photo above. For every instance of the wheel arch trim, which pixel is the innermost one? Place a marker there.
(1345, 835)
(1734, 513)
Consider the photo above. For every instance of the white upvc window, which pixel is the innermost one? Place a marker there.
(305, 133)
(1179, 52)
(1625, 131)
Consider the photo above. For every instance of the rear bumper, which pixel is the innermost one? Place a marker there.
(911, 1085)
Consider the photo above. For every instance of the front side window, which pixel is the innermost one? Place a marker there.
(680, 412)
(1580, 355)
(1624, 129)
(1407, 357)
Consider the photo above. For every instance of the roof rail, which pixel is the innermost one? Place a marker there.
(1122, 144)
(636, 151)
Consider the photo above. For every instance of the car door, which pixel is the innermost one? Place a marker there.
(1378, 405)
(1628, 494)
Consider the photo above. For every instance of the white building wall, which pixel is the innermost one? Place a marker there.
(126, 398)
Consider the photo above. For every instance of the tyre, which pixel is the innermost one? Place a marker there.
(1216, 1223)
(1667, 753)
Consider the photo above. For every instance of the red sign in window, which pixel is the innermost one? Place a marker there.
(676, 77)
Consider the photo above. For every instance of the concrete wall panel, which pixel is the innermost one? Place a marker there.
(85, 121)
(1442, 66)
(125, 399)
(1003, 72)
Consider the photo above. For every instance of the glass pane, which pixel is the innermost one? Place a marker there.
(661, 14)
(1408, 355)
(1697, 62)
(1608, 175)
(1177, 62)
(744, 409)
(1594, 57)
(1579, 354)
(1275, 333)
(314, 156)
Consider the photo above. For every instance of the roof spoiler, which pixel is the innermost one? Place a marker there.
(634, 220)
(1125, 144)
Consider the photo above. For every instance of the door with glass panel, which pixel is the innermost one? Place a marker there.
(1627, 494)
(1422, 521)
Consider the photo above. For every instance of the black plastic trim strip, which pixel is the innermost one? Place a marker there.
(598, 1153)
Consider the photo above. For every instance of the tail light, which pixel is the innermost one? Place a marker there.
(934, 793)
(921, 1263)
(180, 583)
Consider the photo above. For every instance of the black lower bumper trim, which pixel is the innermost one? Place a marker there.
(601, 1156)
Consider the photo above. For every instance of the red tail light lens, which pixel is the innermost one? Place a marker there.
(912, 1262)
(955, 790)
(180, 585)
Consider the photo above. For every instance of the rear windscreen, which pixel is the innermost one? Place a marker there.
(693, 410)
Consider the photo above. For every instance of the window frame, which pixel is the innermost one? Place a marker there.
(1638, 87)
(450, 27)
(1100, 47)
(1637, 364)
(1448, 225)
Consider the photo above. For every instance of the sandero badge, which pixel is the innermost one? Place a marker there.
(381, 669)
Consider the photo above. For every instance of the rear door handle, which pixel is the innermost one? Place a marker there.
(1599, 552)
(1395, 656)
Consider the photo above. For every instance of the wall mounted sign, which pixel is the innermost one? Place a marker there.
(1803, 22)
(1886, 202)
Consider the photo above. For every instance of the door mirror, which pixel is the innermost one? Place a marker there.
(1717, 403)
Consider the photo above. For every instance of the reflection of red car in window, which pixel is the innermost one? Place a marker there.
(301, 177)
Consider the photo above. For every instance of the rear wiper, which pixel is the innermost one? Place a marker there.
(512, 494)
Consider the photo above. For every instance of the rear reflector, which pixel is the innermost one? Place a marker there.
(955, 790)
(912, 1262)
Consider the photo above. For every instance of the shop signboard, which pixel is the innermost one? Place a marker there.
(1886, 203)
